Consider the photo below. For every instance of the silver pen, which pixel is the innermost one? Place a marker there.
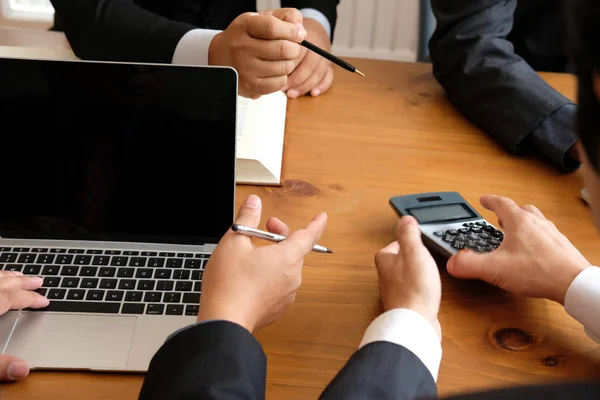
(272, 237)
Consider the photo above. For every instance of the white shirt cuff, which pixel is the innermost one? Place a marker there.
(582, 301)
(193, 47)
(319, 17)
(410, 330)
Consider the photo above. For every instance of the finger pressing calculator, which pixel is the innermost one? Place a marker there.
(449, 223)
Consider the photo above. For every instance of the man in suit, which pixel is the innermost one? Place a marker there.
(486, 53)
(264, 48)
(246, 288)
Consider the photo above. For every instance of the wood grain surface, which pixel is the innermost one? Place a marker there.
(347, 153)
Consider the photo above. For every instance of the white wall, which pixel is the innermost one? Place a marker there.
(380, 29)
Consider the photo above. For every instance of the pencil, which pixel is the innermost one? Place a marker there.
(331, 57)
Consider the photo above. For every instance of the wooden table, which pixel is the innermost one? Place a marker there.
(347, 153)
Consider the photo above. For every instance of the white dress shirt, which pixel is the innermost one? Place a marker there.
(193, 47)
(415, 333)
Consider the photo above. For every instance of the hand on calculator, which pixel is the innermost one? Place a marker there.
(534, 260)
(17, 292)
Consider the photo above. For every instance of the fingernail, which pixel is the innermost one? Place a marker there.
(17, 273)
(37, 279)
(301, 32)
(292, 94)
(316, 92)
(17, 369)
(252, 201)
(285, 88)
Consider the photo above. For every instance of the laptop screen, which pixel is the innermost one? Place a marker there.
(123, 152)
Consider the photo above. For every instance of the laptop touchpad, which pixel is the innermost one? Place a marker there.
(49, 340)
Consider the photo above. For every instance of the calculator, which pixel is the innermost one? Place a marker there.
(449, 223)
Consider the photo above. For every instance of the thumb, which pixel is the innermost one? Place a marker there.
(470, 265)
(12, 368)
(408, 233)
(250, 212)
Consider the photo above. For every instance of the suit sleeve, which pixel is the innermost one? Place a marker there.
(383, 371)
(327, 7)
(118, 30)
(214, 360)
(484, 77)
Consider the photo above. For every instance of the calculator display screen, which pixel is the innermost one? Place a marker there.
(451, 212)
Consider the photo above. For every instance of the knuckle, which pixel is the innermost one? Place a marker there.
(282, 49)
(271, 28)
(289, 67)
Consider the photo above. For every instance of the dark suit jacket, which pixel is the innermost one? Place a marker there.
(149, 30)
(484, 54)
(223, 361)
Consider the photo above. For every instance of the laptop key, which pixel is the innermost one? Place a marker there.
(45, 258)
(196, 275)
(57, 294)
(133, 296)
(26, 258)
(76, 251)
(174, 263)
(156, 262)
(76, 294)
(82, 260)
(145, 285)
(185, 255)
(193, 264)
(114, 295)
(192, 310)
(51, 281)
(64, 259)
(32, 269)
(144, 273)
(8, 257)
(13, 267)
(127, 284)
(152, 297)
(183, 286)
(133, 308)
(100, 260)
(137, 261)
(163, 254)
(42, 291)
(69, 270)
(198, 286)
(58, 251)
(174, 309)
(50, 270)
(181, 274)
(108, 284)
(125, 272)
(70, 282)
(21, 249)
(112, 252)
(149, 253)
(191, 298)
(89, 283)
(94, 251)
(88, 271)
(107, 272)
(164, 285)
(131, 253)
(172, 297)
(5, 249)
(83, 307)
(155, 309)
(95, 295)
(119, 261)
(38, 250)
(162, 274)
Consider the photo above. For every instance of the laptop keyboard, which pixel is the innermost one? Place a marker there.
(112, 281)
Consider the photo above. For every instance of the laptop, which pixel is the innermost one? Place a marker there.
(118, 182)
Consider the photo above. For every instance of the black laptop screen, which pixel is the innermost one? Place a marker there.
(116, 151)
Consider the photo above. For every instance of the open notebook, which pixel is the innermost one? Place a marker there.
(260, 136)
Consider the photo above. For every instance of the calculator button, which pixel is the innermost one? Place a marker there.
(473, 236)
(449, 238)
(466, 224)
(495, 242)
(453, 232)
(482, 242)
(458, 244)
(461, 237)
(476, 229)
(484, 235)
(470, 244)
(464, 230)
(481, 249)
(440, 233)
(490, 228)
(481, 223)
(498, 235)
